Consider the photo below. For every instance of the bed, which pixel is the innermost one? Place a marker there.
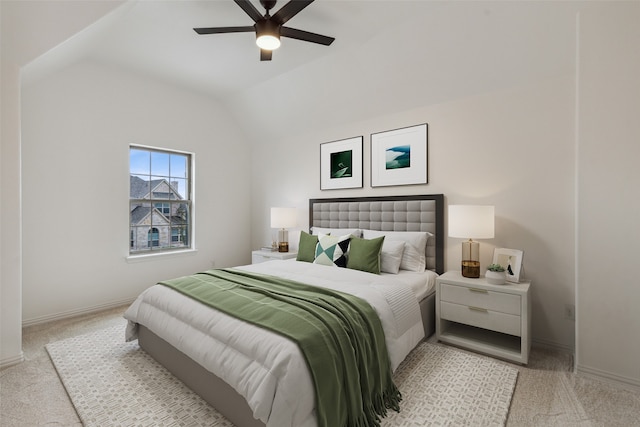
(206, 370)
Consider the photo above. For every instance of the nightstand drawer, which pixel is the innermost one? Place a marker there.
(481, 298)
(481, 317)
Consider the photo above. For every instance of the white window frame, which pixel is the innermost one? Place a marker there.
(189, 198)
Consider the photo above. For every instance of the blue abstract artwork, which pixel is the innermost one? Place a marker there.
(398, 157)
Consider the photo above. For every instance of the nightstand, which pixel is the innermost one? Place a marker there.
(262, 256)
(489, 319)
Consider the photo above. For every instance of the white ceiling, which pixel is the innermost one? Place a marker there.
(157, 38)
(387, 56)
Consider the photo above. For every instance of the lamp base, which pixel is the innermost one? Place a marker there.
(471, 269)
(283, 240)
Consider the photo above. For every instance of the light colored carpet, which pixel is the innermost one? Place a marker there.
(113, 383)
(555, 402)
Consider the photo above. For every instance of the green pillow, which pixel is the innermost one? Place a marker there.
(365, 254)
(307, 247)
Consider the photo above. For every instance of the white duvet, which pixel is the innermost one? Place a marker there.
(267, 369)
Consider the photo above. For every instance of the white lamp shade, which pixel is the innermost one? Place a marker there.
(471, 222)
(283, 217)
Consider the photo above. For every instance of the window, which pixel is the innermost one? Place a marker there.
(178, 234)
(153, 238)
(163, 208)
(160, 200)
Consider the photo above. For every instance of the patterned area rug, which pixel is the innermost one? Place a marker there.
(113, 383)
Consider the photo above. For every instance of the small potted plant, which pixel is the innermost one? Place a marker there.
(496, 275)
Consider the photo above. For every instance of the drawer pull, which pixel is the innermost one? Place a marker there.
(480, 291)
(482, 310)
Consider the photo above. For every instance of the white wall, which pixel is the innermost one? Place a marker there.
(76, 129)
(511, 148)
(440, 51)
(495, 81)
(10, 219)
(608, 229)
(582, 125)
(28, 29)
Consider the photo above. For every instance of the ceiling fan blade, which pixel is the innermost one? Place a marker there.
(305, 36)
(265, 55)
(221, 30)
(249, 9)
(290, 10)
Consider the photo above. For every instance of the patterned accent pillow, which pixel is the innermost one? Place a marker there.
(332, 250)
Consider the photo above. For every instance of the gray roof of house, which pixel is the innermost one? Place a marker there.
(139, 213)
(139, 188)
(176, 220)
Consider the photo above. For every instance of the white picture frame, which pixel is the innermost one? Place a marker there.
(511, 260)
(399, 157)
(341, 164)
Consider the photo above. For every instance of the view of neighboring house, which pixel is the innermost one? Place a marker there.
(160, 223)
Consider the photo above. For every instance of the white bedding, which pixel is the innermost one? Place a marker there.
(423, 284)
(267, 369)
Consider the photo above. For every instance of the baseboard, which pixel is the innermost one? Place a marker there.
(609, 377)
(10, 361)
(74, 313)
(553, 345)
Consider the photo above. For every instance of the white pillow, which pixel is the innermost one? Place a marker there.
(336, 231)
(414, 257)
(391, 256)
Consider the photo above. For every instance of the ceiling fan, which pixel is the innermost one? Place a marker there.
(269, 28)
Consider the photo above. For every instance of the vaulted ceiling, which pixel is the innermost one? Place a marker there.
(157, 38)
(387, 56)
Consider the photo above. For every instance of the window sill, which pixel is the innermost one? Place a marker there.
(160, 255)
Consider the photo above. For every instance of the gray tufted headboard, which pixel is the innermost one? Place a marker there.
(391, 213)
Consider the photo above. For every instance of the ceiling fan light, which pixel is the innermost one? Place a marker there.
(268, 42)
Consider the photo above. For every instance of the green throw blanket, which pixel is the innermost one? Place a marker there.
(340, 336)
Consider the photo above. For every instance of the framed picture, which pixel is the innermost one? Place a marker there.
(511, 260)
(341, 164)
(399, 157)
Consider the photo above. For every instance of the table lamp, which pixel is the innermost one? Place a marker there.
(471, 222)
(283, 218)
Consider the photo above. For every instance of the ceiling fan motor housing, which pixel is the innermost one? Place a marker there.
(267, 27)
